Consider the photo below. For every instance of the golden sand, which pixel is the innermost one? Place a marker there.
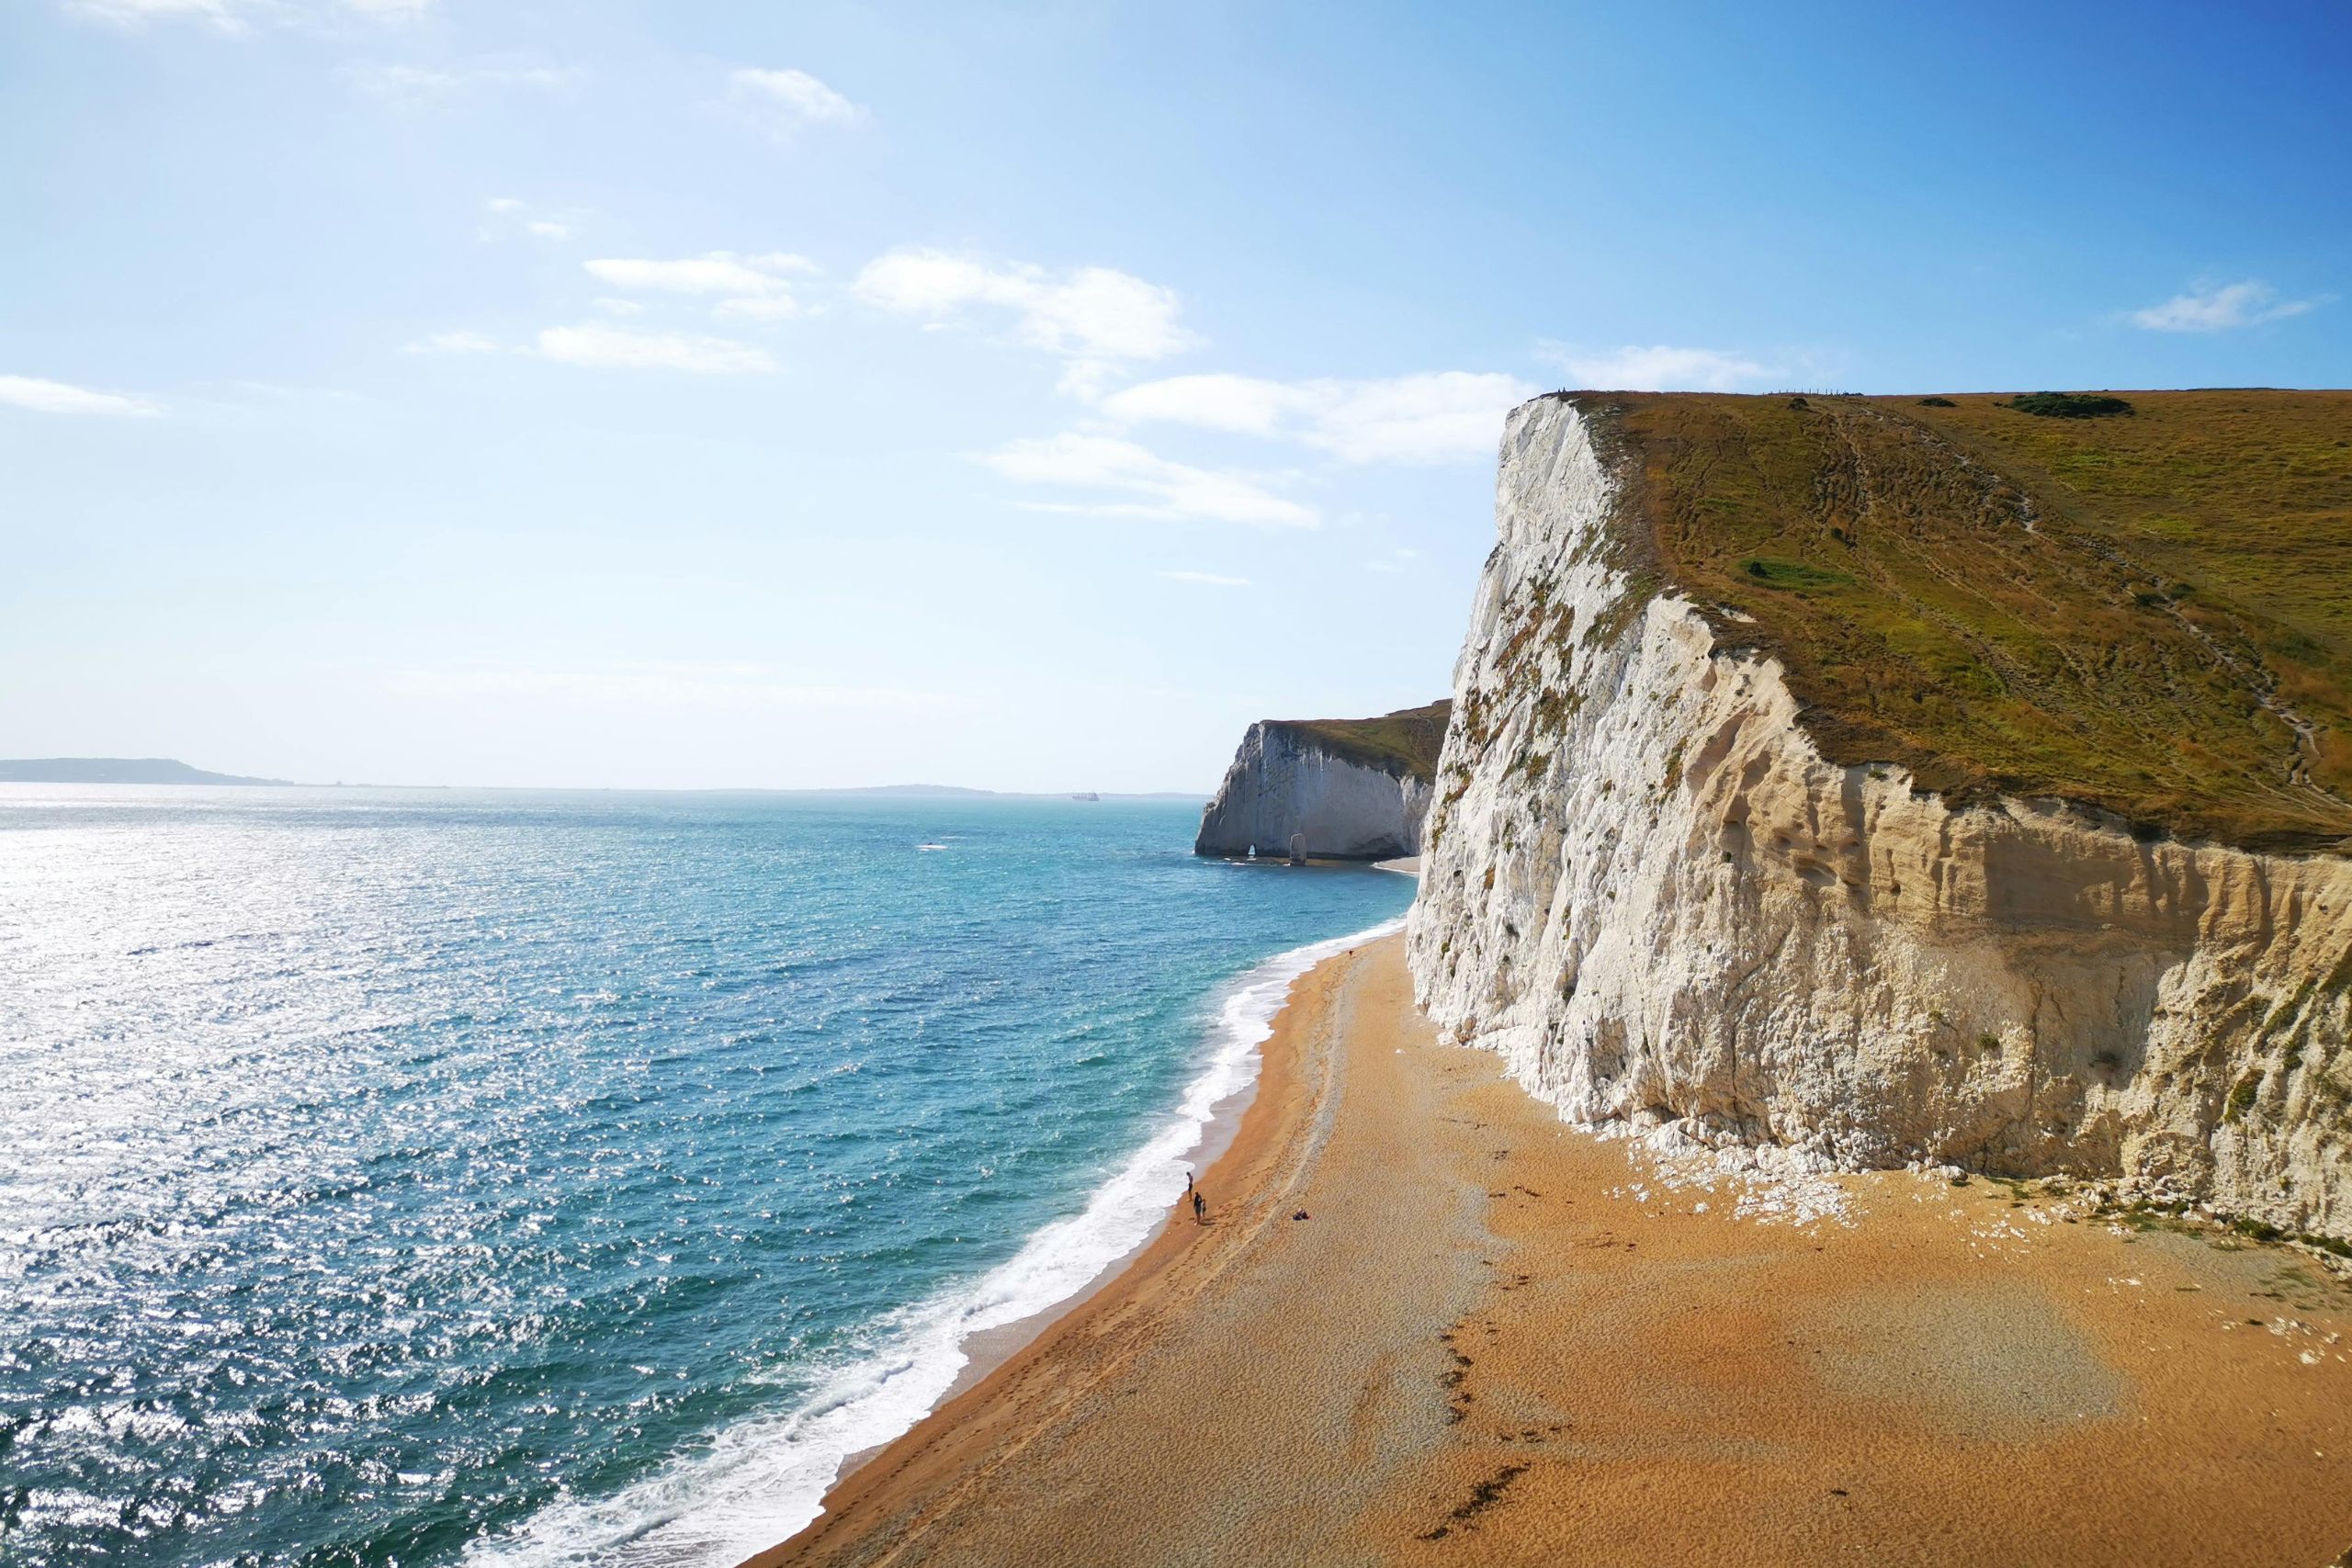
(1495, 1339)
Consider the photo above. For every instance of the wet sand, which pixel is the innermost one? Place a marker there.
(1499, 1340)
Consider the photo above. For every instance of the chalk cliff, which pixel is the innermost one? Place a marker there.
(1646, 887)
(1347, 789)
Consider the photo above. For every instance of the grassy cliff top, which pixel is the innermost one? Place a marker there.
(2147, 610)
(1401, 744)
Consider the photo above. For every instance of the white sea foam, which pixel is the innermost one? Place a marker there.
(760, 1480)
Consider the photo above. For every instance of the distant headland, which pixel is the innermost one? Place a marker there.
(113, 771)
(171, 770)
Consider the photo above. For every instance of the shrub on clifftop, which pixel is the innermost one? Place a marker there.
(2069, 405)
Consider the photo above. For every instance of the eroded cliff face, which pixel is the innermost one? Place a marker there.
(1284, 783)
(1645, 887)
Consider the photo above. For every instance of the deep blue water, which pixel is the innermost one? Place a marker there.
(422, 1178)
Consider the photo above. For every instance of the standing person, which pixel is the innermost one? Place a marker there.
(1200, 1208)
(1188, 1181)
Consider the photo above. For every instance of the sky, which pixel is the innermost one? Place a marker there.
(1016, 396)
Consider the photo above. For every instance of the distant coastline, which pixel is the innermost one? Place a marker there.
(171, 770)
(115, 771)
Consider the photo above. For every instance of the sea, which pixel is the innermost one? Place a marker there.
(509, 1178)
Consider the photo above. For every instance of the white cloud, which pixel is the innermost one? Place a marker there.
(60, 396)
(2221, 307)
(619, 307)
(436, 86)
(729, 687)
(1206, 579)
(239, 16)
(720, 272)
(1243, 404)
(452, 343)
(604, 347)
(1437, 417)
(1658, 367)
(600, 346)
(780, 102)
(1170, 491)
(1093, 317)
(756, 288)
(1394, 563)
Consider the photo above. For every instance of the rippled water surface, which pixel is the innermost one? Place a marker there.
(420, 1177)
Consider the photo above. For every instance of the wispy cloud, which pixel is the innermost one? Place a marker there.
(240, 16)
(1658, 367)
(597, 346)
(452, 343)
(603, 348)
(1095, 317)
(507, 214)
(61, 397)
(1395, 563)
(222, 16)
(2220, 307)
(1243, 404)
(753, 287)
(719, 272)
(783, 102)
(437, 86)
(1154, 485)
(1206, 579)
(1440, 417)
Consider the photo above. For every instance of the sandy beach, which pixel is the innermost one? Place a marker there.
(1493, 1338)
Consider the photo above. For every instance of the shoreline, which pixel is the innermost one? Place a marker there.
(1274, 1108)
(1248, 1008)
(1492, 1324)
(989, 1348)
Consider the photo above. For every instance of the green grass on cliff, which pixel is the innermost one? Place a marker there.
(2151, 614)
(1400, 743)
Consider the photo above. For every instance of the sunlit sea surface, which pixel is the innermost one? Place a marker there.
(434, 1177)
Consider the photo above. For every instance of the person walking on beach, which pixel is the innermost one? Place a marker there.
(1200, 1208)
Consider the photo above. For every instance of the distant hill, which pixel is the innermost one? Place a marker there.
(114, 769)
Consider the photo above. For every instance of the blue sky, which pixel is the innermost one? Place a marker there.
(1027, 396)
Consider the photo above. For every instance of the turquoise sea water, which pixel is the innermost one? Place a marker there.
(431, 1178)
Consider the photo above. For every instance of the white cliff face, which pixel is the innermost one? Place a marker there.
(1645, 887)
(1282, 784)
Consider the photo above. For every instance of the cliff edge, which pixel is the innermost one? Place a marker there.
(1344, 789)
(1890, 782)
